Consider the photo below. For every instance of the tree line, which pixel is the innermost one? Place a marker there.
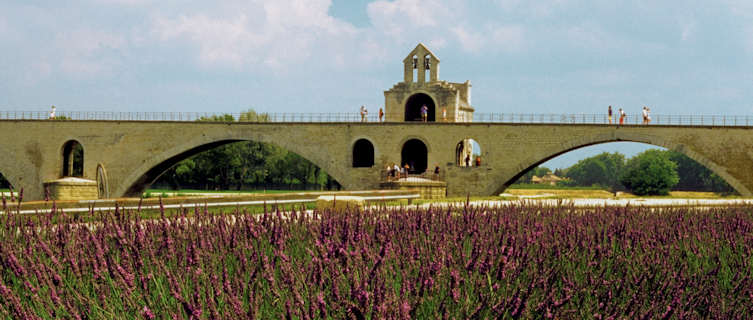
(245, 165)
(652, 172)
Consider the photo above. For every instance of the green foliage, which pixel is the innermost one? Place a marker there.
(694, 176)
(241, 164)
(600, 170)
(651, 172)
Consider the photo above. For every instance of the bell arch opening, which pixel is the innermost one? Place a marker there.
(363, 154)
(240, 165)
(414, 106)
(602, 165)
(468, 153)
(73, 159)
(415, 155)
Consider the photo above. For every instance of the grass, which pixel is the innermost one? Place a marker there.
(548, 187)
(603, 194)
(151, 193)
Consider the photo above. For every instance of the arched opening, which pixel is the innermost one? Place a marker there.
(363, 154)
(603, 165)
(415, 155)
(236, 165)
(415, 104)
(415, 68)
(4, 183)
(468, 153)
(73, 159)
(427, 68)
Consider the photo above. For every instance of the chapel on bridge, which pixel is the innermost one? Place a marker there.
(446, 101)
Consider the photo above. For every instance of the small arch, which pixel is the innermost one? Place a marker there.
(73, 159)
(427, 68)
(363, 154)
(415, 103)
(415, 154)
(468, 153)
(415, 68)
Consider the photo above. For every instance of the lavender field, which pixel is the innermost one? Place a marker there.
(512, 261)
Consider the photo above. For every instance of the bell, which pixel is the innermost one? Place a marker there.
(415, 63)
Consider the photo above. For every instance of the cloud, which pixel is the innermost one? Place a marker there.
(272, 34)
(89, 53)
(497, 38)
(400, 17)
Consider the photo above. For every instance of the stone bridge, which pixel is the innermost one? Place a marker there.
(126, 156)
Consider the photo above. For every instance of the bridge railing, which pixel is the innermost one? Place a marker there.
(550, 118)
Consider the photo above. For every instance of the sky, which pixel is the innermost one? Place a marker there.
(549, 56)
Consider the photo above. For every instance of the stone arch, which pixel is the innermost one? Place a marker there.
(415, 153)
(73, 159)
(134, 184)
(467, 153)
(534, 161)
(414, 103)
(22, 173)
(363, 153)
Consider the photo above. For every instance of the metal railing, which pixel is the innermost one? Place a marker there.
(355, 117)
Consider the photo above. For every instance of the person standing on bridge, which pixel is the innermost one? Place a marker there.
(609, 114)
(52, 113)
(381, 114)
(424, 113)
(645, 115)
(364, 112)
(622, 116)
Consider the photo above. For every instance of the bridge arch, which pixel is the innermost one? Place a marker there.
(147, 173)
(13, 169)
(537, 159)
(73, 159)
(415, 153)
(363, 153)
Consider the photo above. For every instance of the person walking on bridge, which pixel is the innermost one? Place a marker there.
(424, 113)
(609, 114)
(622, 116)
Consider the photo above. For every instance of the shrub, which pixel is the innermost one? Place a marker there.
(650, 173)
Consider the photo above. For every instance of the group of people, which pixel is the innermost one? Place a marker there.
(468, 161)
(646, 112)
(365, 112)
(395, 171)
(424, 114)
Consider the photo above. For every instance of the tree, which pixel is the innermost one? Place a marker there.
(695, 177)
(601, 170)
(650, 173)
(237, 165)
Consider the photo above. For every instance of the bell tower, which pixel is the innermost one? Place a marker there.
(422, 97)
(420, 60)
